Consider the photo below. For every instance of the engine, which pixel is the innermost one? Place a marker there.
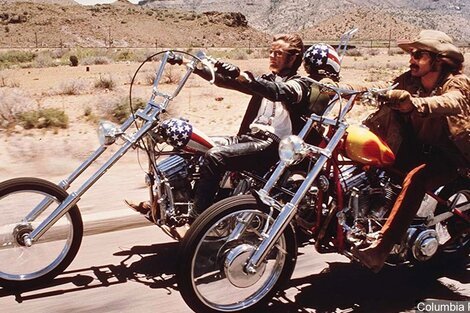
(370, 196)
(176, 173)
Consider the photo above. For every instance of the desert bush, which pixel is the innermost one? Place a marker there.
(5, 81)
(238, 54)
(73, 60)
(72, 87)
(12, 103)
(395, 51)
(125, 56)
(44, 118)
(96, 60)
(373, 52)
(44, 60)
(105, 82)
(121, 110)
(13, 57)
(354, 52)
(171, 75)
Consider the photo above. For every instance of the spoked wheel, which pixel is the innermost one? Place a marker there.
(23, 264)
(212, 276)
(456, 230)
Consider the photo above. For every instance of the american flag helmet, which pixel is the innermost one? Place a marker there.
(182, 135)
(322, 59)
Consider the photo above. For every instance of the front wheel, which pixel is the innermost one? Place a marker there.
(212, 275)
(22, 265)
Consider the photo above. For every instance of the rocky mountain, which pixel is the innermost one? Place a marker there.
(376, 19)
(51, 23)
(208, 23)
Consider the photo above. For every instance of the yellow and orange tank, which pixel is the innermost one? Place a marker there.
(363, 146)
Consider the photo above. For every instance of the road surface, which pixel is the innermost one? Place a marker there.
(133, 270)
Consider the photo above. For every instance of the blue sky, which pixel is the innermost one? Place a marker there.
(91, 2)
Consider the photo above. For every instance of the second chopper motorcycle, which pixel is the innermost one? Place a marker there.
(243, 249)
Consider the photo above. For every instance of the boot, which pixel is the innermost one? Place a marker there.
(374, 256)
(401, 216)
(143, 207)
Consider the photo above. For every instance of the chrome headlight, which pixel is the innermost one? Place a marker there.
(108, 132)
(292, 149)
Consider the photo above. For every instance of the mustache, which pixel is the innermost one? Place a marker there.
(414, 67)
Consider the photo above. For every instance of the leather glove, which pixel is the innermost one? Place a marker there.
(398, 100)
(227, 69)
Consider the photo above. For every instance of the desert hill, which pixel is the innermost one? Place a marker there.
(120, 24)
(377, 19)
(217, 23)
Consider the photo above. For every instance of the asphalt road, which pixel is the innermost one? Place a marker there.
(133, 270)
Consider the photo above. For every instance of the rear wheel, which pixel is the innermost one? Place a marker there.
(455, 230)
(23, 265)
(212, 275)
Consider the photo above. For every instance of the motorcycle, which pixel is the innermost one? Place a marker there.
(41, 227)
(243, 249)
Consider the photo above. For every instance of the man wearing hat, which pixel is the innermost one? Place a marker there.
(433, 103)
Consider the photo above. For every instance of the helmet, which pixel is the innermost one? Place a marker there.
(322, 59)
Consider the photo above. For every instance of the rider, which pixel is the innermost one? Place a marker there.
(433, 103)
(279, 99)
(272, 113)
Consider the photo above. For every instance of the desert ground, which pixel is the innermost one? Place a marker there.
(53, 154)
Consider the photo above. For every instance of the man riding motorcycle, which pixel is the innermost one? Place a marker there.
(432, 104)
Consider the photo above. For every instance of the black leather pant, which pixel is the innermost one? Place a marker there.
(244, 152)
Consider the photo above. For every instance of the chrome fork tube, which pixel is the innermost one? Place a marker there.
(73, 198)
(289, 210)
(65, 184)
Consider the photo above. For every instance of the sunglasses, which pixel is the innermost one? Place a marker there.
(418, 54)
(279, 52)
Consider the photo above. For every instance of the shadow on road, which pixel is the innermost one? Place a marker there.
(155, 267)
(350, 288)
(341, 286)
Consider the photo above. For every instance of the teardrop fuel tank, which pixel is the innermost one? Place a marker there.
(363, 146)
(182, 135)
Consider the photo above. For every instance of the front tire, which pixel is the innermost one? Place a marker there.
(23, 266)
(211, 275)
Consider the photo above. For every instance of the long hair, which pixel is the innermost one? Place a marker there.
(451, 66)
(296, 47)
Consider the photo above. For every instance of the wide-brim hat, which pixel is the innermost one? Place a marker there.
(433, 41)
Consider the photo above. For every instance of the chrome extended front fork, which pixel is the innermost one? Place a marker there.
(289, 210)
(74, 197)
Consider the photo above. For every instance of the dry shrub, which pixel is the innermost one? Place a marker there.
(354, 52)
(73, 87)
(44, 118)
(105, 82)
(96, 60)
(13, 102)
(171, 75)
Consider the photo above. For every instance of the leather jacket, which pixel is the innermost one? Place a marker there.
(295, 99)
(442, 114)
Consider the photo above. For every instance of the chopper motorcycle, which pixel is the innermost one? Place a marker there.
(243, 249)
(41, 227)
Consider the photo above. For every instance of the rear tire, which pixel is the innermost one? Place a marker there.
(207, 283)
(456, 228)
